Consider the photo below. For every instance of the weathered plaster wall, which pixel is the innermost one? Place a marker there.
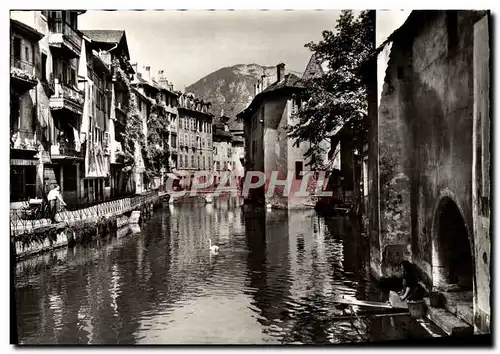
(425, 131)
(296, 153)
(395, 160)
(254, 153)
(481, 197)
(275, 147)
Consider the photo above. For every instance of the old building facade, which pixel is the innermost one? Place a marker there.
(222, 147)
(50, 115)
(268, 147)
(107, 98)
(238, 148)
(194, 135)
(429, 169)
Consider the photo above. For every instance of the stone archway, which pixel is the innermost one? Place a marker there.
(453, 261)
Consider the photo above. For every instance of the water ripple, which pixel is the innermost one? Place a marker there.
(275, 280)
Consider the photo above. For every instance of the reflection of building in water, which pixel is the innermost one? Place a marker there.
(267, 237)
(307, 255)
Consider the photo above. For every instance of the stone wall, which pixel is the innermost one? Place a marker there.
(481, 181)
(424, 128)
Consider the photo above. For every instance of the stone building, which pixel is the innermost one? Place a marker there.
(95, 81)
(194, 135)
(429, 158)
(222, 150)
(46, 110)
(238, 147)
(109, 49)
(268, 147)
(25, 129)
(170, 99)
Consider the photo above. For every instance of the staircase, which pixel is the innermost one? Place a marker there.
(453, 312)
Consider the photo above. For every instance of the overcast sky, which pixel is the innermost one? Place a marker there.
(188, 45)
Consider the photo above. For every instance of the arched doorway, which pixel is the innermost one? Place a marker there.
(453, 264)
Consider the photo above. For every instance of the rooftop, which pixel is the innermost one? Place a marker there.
(289, 81)
(111, 37)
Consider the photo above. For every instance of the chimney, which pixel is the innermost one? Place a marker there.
(162, 80)
(264, 82)
(280, 70)
(147, 72)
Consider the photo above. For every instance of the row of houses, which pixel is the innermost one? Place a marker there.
(76, 102)
(423, 178)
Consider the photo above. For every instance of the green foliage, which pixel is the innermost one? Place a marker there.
(339, 96)
(133, 127)
(156, 152)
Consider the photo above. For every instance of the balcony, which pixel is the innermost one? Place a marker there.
(121, 113)
(22, 74)
(66, 98)
(64, 38)
(23, 144)
(65, 151)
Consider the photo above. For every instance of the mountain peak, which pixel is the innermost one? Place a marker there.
(231, 88)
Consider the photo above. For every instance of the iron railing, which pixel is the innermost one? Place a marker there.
(27, 218)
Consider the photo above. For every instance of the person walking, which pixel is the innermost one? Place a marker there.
(53, 196)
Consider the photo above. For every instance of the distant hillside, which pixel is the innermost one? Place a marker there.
(231, 88)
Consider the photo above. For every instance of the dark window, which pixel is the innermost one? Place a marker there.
(17, 48)
(22, 183)
(27, 54)
(298, 169)
(44, 66)
(14, 112)
(73, 77)
(65, 73)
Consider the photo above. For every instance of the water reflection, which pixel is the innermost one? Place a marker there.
(274, 280)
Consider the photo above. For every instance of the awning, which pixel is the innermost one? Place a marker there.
(172, 176)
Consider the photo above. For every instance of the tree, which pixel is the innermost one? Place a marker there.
(156, 151)
(339, 96)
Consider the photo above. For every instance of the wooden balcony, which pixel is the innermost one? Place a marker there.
(22, 75)
(65, 151)
(65, 39)
(120, 113)
(66, 98)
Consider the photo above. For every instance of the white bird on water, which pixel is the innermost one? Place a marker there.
(214, 248)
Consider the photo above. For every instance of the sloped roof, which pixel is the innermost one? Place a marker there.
(220, 132)
(289, 81)
(235, 124)
(108, 37)
(105, 36)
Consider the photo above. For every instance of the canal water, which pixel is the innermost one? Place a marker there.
(274, 281)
